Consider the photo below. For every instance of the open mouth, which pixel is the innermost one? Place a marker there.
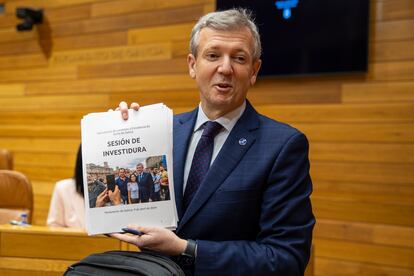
(223, 86)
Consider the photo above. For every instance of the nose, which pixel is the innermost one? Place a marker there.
(225, 67)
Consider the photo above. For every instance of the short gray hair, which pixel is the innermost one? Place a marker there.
(227, 20)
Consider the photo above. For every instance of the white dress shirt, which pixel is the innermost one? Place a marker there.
(228, 121)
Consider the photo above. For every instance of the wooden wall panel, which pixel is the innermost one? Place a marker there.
(124, 22)
(10, 90)
(111, 54)
(62, 131)
(393, 30)
(43, 74)
(42, 117)
(69, 13)
(354, 211)
(109, 8)
(331, 266)
(45, 173)
(371, 92)
(11, 5)
(373, 132)
(52, 15)
(40, 145)
(368, 172)
(160, 34)
(22, 61)
(89, 41)
(368, 253)
(362, 152)
(91, 54)
(392, 71)
(10, 34)
(180, 48)
(51, 160)
(25, 47)
(107, 85)
(265, 93)
(150, 67)
(187, 99)
(8, 20)
(93, 102)
(393, 50)
(380, 234)
(393, 10)
(345, 113)
(389, 193)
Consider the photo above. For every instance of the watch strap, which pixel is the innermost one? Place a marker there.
(191, 249)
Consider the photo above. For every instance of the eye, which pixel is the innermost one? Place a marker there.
(240, 59)
(211, 56)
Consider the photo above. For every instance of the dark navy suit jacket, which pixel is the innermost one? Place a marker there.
(252, 214)
(145, 185)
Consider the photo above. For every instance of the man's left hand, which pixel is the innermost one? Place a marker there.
(155, 238)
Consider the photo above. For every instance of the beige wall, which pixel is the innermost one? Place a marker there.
(90, 54)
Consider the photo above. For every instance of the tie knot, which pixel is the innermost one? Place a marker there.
(211, 129)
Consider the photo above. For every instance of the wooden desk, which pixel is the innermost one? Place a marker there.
(41, 250)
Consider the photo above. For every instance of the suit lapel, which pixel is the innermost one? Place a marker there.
(182, 131)
(238, 142)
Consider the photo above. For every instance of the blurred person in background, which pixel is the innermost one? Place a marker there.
(67, 206)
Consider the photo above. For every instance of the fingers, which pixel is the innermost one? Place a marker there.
(132, 239)
(123, 107)
(134, 106)
(124, 237)
(116, 190)
(104, 192)
(143, 229)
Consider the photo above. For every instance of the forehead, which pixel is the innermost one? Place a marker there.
(234, 40)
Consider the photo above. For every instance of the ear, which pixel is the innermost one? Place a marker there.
(256, 68)
(191, 61)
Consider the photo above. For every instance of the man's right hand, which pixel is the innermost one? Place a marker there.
(123, 107)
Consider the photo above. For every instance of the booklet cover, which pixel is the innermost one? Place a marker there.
(127, 169)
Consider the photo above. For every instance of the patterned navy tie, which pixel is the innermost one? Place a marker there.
(201, 160)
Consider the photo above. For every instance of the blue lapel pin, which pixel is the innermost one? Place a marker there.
(242, 141)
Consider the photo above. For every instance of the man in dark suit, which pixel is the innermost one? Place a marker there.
(122, 183)
(145, 183)
(251, 213)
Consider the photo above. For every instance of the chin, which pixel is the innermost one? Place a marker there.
(222, 101)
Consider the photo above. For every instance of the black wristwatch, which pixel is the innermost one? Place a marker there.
(188, 256)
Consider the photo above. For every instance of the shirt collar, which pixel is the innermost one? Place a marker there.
(228, 121)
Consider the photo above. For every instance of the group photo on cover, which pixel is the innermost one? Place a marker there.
(146, 181)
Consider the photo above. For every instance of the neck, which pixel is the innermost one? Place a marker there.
(215, 113)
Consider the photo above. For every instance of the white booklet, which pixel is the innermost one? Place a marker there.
(127, 169)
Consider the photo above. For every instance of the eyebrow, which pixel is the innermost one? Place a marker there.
(218, 48)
